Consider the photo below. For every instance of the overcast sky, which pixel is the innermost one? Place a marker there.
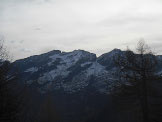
(37, 26)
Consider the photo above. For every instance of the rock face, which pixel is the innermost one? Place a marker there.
(70, 72)
(67, 71)
(78, 80)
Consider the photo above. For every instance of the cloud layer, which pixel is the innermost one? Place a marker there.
(36, 26)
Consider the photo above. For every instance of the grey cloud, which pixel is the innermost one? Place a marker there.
(95, 25)
(127, 19)
(37, 28)
(12, 41)
(16, 42)
(21, 41)
(25, 50)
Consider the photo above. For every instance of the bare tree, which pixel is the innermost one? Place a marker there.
(8, 97)
(136, 71)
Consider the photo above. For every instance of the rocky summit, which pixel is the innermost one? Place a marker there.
(67, 71)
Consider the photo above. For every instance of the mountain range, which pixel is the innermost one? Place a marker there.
(67, 71)
(79, 82)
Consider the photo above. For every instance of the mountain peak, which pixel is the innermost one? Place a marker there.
(53, 52)
(115, 50)
(81, 51)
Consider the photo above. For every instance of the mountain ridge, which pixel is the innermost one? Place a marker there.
(69, 71)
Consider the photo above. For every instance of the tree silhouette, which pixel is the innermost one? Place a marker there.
(136, 71)
(8, 96)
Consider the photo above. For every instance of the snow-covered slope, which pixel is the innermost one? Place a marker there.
(69, 72)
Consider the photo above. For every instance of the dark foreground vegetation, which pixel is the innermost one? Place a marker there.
(136, 91)
(136, 95)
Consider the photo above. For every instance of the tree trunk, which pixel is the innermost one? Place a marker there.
(144, 101)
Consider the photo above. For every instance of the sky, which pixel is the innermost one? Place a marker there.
(31, 27)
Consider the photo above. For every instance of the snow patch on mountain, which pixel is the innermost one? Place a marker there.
(70, 58)
(95, 69)
(66, 60)
(32, 70)
(69, 71)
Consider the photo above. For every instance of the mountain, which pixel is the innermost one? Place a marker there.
(67, 71)
(78, 81)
